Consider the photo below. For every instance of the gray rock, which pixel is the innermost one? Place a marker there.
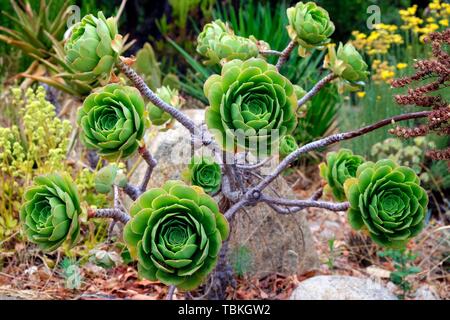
(277, 243)
(426, 292)
(341, 288)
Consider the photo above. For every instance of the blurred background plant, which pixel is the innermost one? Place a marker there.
(241, 260)
(34, 141)
(37, 30)
(390, 49)
(165, 35)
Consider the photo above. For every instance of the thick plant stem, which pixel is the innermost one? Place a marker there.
(132, 191)
(317, 87)
(151, 162)
(284, 56)
(113, 213)
(270, 52)
(149, 94)
(306, 203)
(197, 132)
(222, 276)
(170, 293)
(235, 208)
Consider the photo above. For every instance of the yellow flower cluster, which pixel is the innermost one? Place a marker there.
(382, 71)
(38, 145)
(384, 36)
(378, 41)
(401, 65)
(438, 18)
(410, 20)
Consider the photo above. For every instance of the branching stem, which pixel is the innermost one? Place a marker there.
(113, 213)
(150, 95)
(254, 195)
(284, 56)
(270, 52)
(306, 203)
(151, 162)
(317, 87)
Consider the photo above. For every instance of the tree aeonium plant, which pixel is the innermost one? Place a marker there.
(157, 116)
(177, 231)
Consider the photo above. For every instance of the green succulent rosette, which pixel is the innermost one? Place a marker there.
(309, 25)
(157, 116)
(347, 63)
(287, 145)
(109, 176)
(93, 48)
(50, 211)
(339, 167)
(204, 172)
(248, 101)
(111, 121)
(176, 233)
(211, 31)
(387, 201)
(217, 43)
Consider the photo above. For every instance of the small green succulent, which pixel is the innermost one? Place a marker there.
(309, 25)
(339, 167)
(157, 115)
(109, 176)
(204, 172)
(50, 211)
(104, 259)
(211, 31)
(347, 63)
(93, 48)
(287, 145)
(111, 121)
(217, 43)
(176, 233)
(251, 106)
(388, 201)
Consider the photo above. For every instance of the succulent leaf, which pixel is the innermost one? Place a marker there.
(287, 145)
(159, 117)
(347, 63)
